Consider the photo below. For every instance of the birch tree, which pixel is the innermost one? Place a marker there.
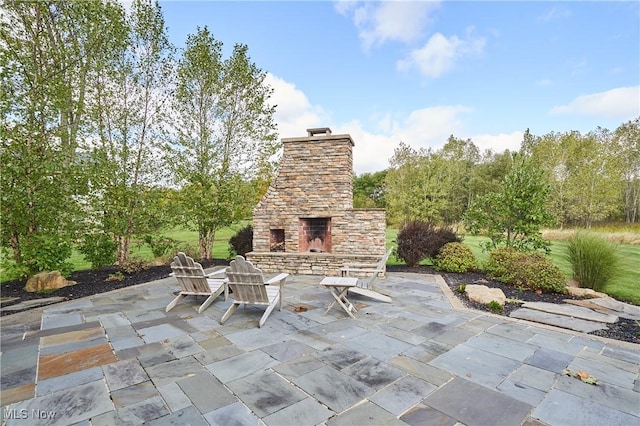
(223, 136)
(129, 111)
(47, 51)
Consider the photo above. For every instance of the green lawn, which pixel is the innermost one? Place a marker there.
(140, 249)
(626, 287)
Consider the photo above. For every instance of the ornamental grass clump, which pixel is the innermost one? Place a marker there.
(594, 261)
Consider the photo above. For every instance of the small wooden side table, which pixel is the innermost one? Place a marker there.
(338, 287)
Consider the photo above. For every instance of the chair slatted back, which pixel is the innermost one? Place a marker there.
(189, 274)
(246, 282)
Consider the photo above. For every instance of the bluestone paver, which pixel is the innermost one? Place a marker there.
(469, 403)
(422, 359)
(403, 394)
(305, 412)
(206, 392)
(266, 392)
(476, 365)
(333, 388)
(562, 408)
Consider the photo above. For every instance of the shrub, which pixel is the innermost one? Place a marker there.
(46, 253)
(99, 250)
(419, 240)
(455, 257)
(134, 264)
(533, 271)
(190, 250)
(537, 272)
(161, 246)
(242, 242)
(594, 261)
(499, 264)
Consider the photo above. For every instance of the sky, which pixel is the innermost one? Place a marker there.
(417, 72)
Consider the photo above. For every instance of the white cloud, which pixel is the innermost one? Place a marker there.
(555, 13)
(498, 143)
(621, 103)
(423, 128)
(440, 54)
(544, 82)
(294, 113)
(376, 139)
(379, 22)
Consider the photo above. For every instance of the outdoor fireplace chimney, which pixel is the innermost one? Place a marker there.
(306, 222)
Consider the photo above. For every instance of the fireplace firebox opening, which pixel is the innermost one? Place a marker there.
(315, 235)
(276, 240)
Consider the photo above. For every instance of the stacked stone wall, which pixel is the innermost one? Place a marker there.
(315, 180)
(327, 264)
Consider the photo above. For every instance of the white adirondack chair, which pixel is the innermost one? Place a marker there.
(249, 287)
(194, 282)
(369, 272)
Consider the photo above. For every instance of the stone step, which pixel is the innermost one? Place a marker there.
(562, 321)
(28, 304)
(571, 311)
(589, 304)
(624, 310)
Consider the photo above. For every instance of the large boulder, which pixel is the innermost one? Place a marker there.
(47, 281)
(485, 295)
(574, 289)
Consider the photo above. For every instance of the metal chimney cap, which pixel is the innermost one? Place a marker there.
(319, 131)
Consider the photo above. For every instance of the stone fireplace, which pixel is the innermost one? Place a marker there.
(314, 235)
(306, 223)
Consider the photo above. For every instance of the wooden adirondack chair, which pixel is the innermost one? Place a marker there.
(365, 285)
(194, 282)
(248, 287)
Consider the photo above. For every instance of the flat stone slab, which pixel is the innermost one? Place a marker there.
(468, 402)
(625, 310)
(571, 311)
(29, 304)
(556, 320)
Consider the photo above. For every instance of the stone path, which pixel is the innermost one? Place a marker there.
(119, 359)
(579, 315)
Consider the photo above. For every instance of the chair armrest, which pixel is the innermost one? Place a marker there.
(279, 278)
(218, 272)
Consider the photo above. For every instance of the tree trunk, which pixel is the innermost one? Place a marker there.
(205, 241)
(123, 249)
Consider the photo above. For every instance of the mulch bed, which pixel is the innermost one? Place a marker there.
(625, 329)
(91, 282)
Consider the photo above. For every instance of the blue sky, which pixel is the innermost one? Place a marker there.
(419, 71)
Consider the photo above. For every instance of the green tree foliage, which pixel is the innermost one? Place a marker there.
(488, 175)
(369, 190)
(128, 111)
(223, 135)
(416, 185)
(460, 157)
(590, 174)
(49, 49)
(514, 216)
(626, 154)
